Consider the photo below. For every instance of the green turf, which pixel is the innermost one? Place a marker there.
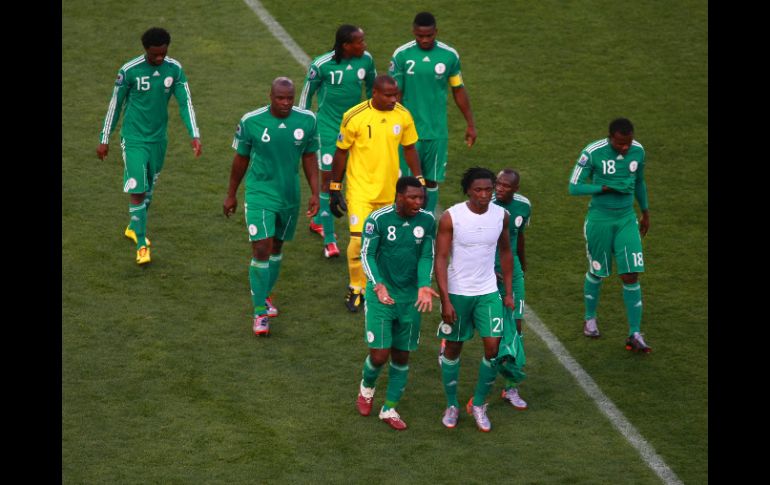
(162, 381)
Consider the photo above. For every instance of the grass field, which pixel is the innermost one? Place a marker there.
(162, 380)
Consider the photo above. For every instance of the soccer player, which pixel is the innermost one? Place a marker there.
(269, 143)
(145, 85)
(519, 210)
(470, 232)
(370, 133)
(615, 168)
(337, 77)
(397, 256)
(423, 69)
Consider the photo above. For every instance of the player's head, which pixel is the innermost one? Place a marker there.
(409, 196)
(155, 42)
(506, 185)
(621, 135)
(384, 93)
(477, 184)
(424, 30)
(281, 96)
(348, 42)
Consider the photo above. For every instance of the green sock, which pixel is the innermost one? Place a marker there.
(591, 290)
(632, 297)
(432, 199)
(325, 218)
(396, 384)
(510, 384)
(370, 373)
(148, 199)
(138, 222)
(487, 375)
(259, 275)
(275, 268)
(450, 370)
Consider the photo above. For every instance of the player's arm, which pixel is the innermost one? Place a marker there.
(310, 166)
(345, 140)
(520, 250)
(187, 112)
(413, 160)
(370, 243)
(312, 83)
(242, 146)
(464, 103)
(425, 293)
(506, 262)
(371, 73)
(579, 181)
(396, 71)
(640, 192)
(119, 94)
(443, 247)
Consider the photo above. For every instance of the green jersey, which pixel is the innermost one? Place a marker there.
(339, 87)
(398, 251)
(145, 90)
(274, 147)
(520, 211)
(604, 166)
(423, 77)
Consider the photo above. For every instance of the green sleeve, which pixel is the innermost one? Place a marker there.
(314, 140)
(371, 73)
(427, 252)
(186, 111)
(397, 72)
(640, 190)
(370, 241)
(312, 83)
(119, 93)
(578, 183)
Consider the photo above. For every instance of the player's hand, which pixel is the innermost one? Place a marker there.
(644, 223)
(509, 303)
(337, 202)
(424, 301)
(312, 206)
(448, 313)
(383, 295)
(229, 205)
(196, 146)
(470, 136)
(102, 150)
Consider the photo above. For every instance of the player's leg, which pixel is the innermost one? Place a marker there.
(357, 213)
(406, 334)
(598, 233)
(157, 160)
(630, 261)
(323, 222)
(285, 227)
(261, 226)
(378, 328)
(488, 319)
(454, 335)
(433, 158)
(136, 159)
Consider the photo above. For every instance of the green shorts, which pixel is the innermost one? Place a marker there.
(390, 326)
(519, 291)
(326, 151)
(263, 223)
(482, 312)
(142, 164)
(433, 158)
(611, 234)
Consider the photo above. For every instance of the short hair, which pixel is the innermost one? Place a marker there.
(344, 34)
(281, 81)
(475, 173)
(510, 171)
(156, 36)
(424, 19)
(383, 79)
(407, 181)
(622, 126)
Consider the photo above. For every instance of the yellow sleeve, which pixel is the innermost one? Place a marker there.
(409, 131)
(347, 135)
(456, 81)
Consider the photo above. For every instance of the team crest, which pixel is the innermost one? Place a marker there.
(168, 81)
(596, 265)
(519, 220)
(633, 166)
(299, 133)
(440, 68)
(119, 80)
(418, 232)
(361, 73)
(370, 336)
(327, 159)
(446, 329)
(130, 184)
(353, 219)
(253, 229)
(583, 160)
(369, 228)
(396, 129)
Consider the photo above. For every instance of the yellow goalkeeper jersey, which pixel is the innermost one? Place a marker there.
(372, 138)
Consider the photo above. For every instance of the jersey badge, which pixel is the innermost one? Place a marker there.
(130, 184)
(633, 166)
(238, 130)
(299, 133)
(311, 73)
(253, 229)
(370, 336)
(518, 221)
(391, 67)
(353, 219)
(168, 81)
(396, 129)
(119, 80)
(361, 73)
(440, 68)
(369, 228)
(340, 137)
(583, 160)
(446, 329)
(418, 232)
(327, 159)
(596, 265)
